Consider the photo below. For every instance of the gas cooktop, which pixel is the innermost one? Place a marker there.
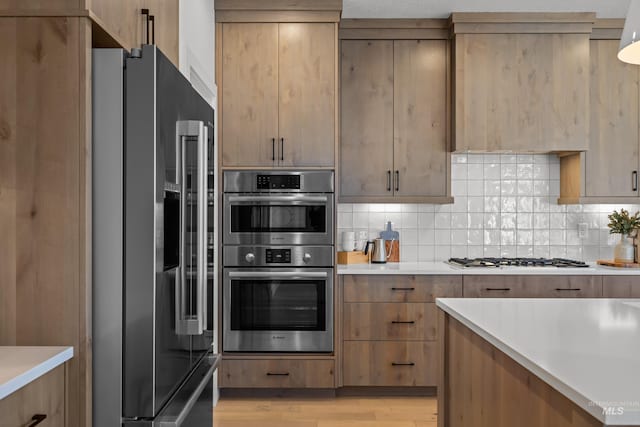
(516, 262)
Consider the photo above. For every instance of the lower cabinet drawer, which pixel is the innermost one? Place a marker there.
(44, 396)
(390, 321)
(277, 373)
(532, 287)
(390, 363)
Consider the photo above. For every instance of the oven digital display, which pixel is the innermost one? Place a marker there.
(278, 256)
(278, 182)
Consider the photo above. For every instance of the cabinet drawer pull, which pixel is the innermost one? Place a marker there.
(397, 180)
(37, 419)
(388, 180)
(634, 181)
(497, 289)
(403, 322)
(403, 364)
(403, 289)
(568, 289)
(277, 374)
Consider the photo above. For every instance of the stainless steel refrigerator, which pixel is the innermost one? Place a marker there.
(152, 243)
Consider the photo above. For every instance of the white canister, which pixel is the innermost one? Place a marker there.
(348, 241)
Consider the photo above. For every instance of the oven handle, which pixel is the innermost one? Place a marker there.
(279, 199)
(277, 274)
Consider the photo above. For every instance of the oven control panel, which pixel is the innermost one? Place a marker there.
(277, 256)
(278, 182)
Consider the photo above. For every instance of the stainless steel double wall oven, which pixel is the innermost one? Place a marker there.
(278, 259)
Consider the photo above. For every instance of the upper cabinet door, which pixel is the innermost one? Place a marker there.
(521, 92)
(366, 143)
(613, 152)
(249, 94)
(420, 118)
(307, 94)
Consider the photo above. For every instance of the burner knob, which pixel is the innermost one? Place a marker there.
(250, 257)
(306, 257)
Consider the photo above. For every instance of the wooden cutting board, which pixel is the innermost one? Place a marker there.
(610, 263)
(353, 257)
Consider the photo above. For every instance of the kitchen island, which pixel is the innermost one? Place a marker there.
(539, 362)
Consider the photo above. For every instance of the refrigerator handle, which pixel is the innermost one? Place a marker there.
(192, 324)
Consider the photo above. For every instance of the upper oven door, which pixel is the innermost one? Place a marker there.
(277, 219)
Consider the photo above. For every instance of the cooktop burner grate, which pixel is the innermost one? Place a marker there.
(516, 262)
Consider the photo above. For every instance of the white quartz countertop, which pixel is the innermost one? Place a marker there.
(21, 365)
(435, 268)
(588, 350)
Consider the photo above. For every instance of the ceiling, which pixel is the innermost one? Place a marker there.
(443, 8)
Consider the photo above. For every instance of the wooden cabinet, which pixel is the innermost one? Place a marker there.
(390, 363)
(43, 396)
(278, 84)
(383, 288)
(277, 373)
(389, 328)
(123, 21)
(394, 129)
(521, 82)
(249, 94)
(612, 158)
(501, 286)
(607, 172)
(621, 286)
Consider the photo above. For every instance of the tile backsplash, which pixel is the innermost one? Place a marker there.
(505, 205)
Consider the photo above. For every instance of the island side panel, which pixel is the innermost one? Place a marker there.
(482, 387)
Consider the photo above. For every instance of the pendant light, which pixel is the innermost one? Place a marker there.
(629, 50)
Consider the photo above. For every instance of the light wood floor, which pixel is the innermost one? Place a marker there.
(327, 412)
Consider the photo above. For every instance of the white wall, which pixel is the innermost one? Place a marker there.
(505, 205)
(197, 45)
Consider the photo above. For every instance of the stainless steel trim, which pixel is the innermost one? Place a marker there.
(278, 199)
(278, 274)
(277, 341)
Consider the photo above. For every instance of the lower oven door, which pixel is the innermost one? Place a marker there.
(278, 310)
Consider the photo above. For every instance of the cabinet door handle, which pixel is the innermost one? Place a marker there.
(152, 18)
(403, 289)
(37, 419)
(397, 180)
(388, 180)
(277, 374)
(403, 322)
(273, 149)
(402, 364)
(568, 289)
(145, 13)
(281, 148)
(634, 181)
(497, 289)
